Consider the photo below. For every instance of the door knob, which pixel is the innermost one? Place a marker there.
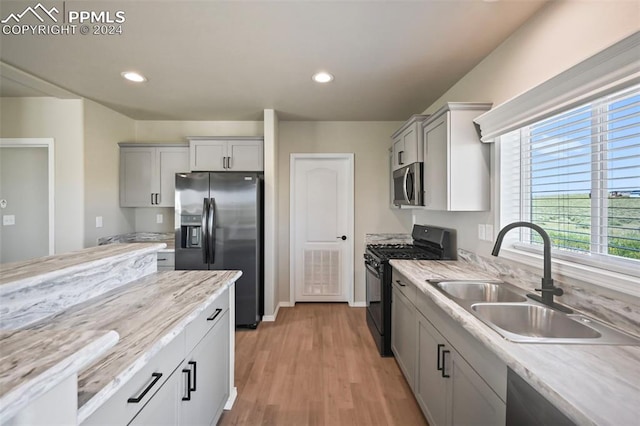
(344, 237)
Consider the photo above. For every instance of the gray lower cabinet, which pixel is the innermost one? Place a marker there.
(447, 389)
(455, 379)
(403, 330)
(208, 368)
(174, 388)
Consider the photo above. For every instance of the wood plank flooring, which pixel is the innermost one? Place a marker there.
(318, 365)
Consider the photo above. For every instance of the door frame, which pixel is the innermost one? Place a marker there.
(40, 143)
(350, 218)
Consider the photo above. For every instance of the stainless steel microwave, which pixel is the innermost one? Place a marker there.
(407, 185)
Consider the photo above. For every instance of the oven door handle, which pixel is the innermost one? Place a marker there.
(372, 270)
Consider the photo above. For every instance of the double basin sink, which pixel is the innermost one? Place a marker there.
(508, 311)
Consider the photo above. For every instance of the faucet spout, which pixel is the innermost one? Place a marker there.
(548, 289)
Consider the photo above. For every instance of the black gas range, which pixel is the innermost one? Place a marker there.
(429, 243)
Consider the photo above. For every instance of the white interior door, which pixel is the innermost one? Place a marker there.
(321, 228)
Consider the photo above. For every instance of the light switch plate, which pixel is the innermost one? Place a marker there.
(159, 218)
(8, 220)
(481, 231)
(98, 221)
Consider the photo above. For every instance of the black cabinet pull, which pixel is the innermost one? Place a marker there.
(188, 397)
(444, 364)
(440, 368)
(400, 283)
(400, 162)
(215, 315)
(194, 375)
(152, 198)
(156, 377)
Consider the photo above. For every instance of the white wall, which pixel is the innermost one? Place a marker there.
(369, 141)
(103, 129)
(271, 190)
(561, 35)
(62, 120)
(177, 131)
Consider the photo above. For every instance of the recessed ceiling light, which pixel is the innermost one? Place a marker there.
(134, 76)
(322, 77)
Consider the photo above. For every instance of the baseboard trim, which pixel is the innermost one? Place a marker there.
(272, 318)
(232, 399)
(358, 304)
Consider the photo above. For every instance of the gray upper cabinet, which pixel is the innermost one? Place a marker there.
(226, 154)
(456, 163)
(147, 173)
(407, 142)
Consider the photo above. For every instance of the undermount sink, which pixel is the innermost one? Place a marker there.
(533, 321)
(479, 291)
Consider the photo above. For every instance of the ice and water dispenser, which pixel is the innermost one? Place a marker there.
(191, 230)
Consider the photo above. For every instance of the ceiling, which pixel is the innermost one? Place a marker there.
(229, 60)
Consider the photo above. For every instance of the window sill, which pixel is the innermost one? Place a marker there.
(599, 277)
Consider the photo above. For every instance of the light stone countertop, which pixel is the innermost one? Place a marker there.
(591, 384)
(147, 314)
(388, 239)
(32, 272)
(34, 362)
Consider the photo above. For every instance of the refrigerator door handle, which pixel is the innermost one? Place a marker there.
(203, 230)
(212, 230)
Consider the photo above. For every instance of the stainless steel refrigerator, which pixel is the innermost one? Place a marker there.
(218, 226)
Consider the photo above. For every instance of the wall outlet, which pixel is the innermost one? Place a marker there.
(159, 218)
(488, 232)
(98, 221)
(8, 220)
(482, 232)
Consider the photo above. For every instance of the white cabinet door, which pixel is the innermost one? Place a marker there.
(436, 182)
(136, 177)
(208, 155)
(430, 387)
(410, 138)
(208, 367)
(170, 161)
(473, 402)
(403, 334)
(245, 156)
(398, 152)
(162, 408)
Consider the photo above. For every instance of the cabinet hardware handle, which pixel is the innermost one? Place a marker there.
(195, 374)
(161, 258)
(215, 315)
(157, 198)
(400, 162)
(152, 198)
(400, 283)
(156, 377)
(228, 162)
(444, 364)
(440, 346)
(188, 397)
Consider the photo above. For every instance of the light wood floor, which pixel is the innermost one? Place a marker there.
(318, 365)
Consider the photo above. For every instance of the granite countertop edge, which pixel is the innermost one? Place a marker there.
(124, 376)
(511, 353)
(137, 249)
(31, 389)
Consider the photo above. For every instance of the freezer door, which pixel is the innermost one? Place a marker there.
(192, 197)
(236, 202)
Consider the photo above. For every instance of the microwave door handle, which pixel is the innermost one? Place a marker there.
(411, 187)
(203, 230)
(212, 230)
(405, 192)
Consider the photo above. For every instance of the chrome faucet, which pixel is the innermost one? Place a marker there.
(547, 289)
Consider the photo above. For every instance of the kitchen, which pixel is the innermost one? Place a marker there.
(558, 36)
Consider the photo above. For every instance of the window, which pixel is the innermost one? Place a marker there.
(577, 175)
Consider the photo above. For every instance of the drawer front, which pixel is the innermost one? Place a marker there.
(166, 261)
(406, 287)
(206, 320)
(123, 406)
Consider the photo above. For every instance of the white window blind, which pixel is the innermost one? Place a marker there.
(577, 175)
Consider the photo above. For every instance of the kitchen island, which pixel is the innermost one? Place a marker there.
(589, 384)
(109, 343)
